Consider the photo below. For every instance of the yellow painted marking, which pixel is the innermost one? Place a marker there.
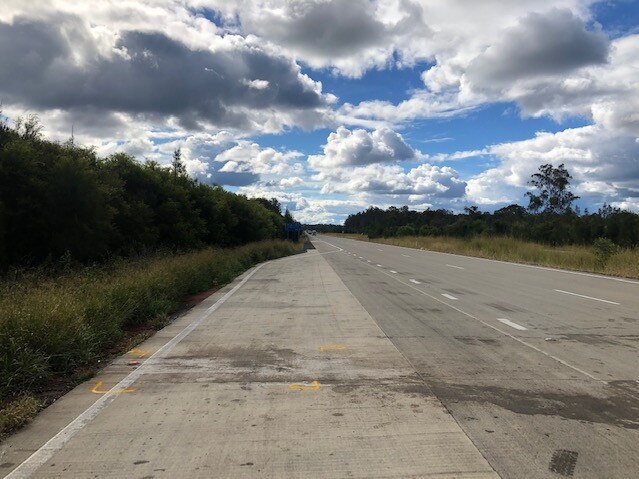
(331, 347)
(96, 389)
(314, 386)
(138, 352)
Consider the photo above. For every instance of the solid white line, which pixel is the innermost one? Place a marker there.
(587, 297)
(393, 271)
(579, 273)
(453, 266)
(511, 324)
(330, 244)
(379, 265)
(449, 296)
(414, 281)
(505, 333)
(53, 445)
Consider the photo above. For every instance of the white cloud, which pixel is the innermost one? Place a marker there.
(359, 147)
(291, 182)
(256, 84)
(249, 157)
(433, 181)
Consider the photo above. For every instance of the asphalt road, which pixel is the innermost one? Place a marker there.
(362, 360)
(539, 367)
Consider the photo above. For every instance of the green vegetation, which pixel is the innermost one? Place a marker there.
(549, 232)
(18, 412)
(53, 327)
(624, 262)
(60, 201)
(549, 219)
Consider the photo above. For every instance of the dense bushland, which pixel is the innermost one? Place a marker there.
(61, 201)
(52, 326)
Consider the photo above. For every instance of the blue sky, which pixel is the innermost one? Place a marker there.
(332, 106)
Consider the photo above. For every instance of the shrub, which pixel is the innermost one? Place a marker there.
(604, 249)
(406, 230)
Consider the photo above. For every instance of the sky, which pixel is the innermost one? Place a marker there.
(332, 106)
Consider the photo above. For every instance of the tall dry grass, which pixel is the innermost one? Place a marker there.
(53, 326)
(578, 258)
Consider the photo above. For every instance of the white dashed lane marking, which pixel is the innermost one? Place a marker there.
(508, 322)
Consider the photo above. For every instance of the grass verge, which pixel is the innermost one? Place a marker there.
(54, 332)
(624, 263)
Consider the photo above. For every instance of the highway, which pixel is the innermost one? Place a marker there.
(356, 359)
(539, 367)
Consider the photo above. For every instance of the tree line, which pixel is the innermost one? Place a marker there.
(549, 218)
(61, 201)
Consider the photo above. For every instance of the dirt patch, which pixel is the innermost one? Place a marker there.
(477, 341)
(500, 307)
(618, 408)
(563, 462)
(596, 339)
(250, 357)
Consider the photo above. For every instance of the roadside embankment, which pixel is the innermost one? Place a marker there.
(56, 332)
(624, 262)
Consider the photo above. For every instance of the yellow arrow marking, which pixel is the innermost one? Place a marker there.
(330, 347)
(314, 386)
(96, 389)
(138, 353)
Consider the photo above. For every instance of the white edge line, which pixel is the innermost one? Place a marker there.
(453, 266)
(53, 445)
(508, 322)
(587, 297)
(547, 268)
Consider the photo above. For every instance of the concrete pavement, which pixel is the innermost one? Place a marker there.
(538, 366)
(282, 374)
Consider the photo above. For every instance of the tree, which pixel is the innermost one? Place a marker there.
(553, 185)
(29, 127)
(176, 164)
(272, 205)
